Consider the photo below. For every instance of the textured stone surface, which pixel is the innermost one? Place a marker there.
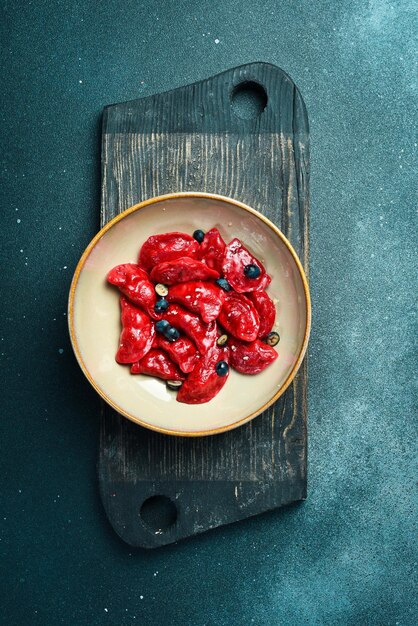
(346, 556)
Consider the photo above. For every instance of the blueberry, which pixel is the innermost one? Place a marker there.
(199, 235)
(171, 333)
(252, 271)
(161, 305)
(222, 368)
(223, 284)
(162, 325)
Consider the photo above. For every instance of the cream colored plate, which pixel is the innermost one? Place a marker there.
(94, 315)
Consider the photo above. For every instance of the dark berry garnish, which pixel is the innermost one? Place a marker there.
(198, 235)
(252, 271)
(222, 368)
(223, 284)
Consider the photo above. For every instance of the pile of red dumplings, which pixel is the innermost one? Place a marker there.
(221, 313)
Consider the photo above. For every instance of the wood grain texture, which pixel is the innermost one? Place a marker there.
(190, 139)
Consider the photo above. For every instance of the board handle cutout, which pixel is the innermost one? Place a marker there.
(158, 513)
(248, 100)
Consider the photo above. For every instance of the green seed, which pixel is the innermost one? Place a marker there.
(161, 289)
(222, 340)
(174, 385)
(273, 338)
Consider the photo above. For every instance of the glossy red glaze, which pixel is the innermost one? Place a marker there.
(211, 250)
(138, 332)
(235, 260)
(251, 358)
(266, 310)
(157, 363)
(166, 247)
(182, 351)
(182, 270)
(134, 283)
(203, 298)
(239, 317)
(203, 382)
(195, 305)
(203, 335)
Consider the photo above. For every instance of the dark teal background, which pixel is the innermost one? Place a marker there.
(347, 555)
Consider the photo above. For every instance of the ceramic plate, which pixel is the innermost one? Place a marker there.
(94, 314)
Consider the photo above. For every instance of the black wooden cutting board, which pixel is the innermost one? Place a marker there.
(244, 134)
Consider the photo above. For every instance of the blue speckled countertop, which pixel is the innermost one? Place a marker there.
(347, 555)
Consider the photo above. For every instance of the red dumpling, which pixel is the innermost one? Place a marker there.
(203, 298)
(236, 259)
(157, 363)
(138, 332)
(166, 247)
(204, 382)
(182, 270)
(239, 317)
(266, 310)
(251, 358)
(182, 351)
(203, 335)
(134, 283)
(211, 250)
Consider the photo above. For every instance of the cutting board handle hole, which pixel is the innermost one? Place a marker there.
(158, 513)
(248, 100)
